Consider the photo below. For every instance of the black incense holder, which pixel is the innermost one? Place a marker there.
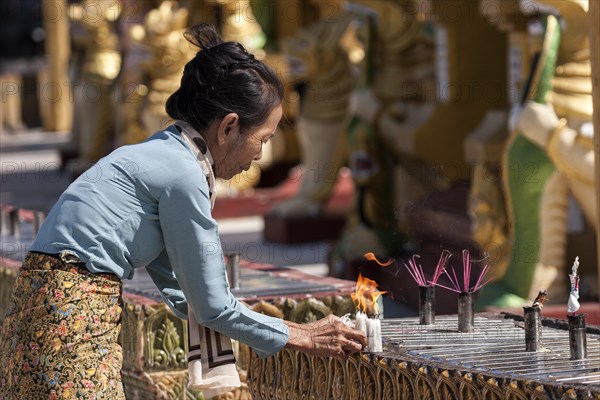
(533, 327)
(577, 338)
(466, 313)
(426, 305)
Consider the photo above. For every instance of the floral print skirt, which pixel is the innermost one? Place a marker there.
(59, 336)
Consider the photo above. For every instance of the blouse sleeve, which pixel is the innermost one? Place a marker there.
(164, 278)
(194, 252)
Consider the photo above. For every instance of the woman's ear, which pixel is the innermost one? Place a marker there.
(228, 128)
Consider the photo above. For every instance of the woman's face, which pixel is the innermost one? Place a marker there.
(234, 150)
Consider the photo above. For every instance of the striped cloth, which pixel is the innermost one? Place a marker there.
(211, 363)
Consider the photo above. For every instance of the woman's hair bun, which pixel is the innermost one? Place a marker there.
(203, 36)
(222, 78)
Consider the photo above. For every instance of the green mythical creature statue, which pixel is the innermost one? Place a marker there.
(97, 63)
(547, 159)
(316, 57)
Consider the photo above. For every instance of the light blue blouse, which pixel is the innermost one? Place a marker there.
(147, 205)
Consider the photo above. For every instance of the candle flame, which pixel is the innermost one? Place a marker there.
(366, 295)
(372, 257)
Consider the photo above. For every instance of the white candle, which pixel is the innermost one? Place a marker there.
(378, 342)
(361, 322)
(374, 335)
(573, 304)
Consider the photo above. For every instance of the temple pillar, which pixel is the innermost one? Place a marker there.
(57, 111)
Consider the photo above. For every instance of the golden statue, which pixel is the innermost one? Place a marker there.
(238, 24)
(316, 57)
(96, 70)
(151, 81)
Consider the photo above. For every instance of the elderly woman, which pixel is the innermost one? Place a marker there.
(149, 205)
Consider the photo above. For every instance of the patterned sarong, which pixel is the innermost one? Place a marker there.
(59, 336)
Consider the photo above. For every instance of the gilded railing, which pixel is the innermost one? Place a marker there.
(418, 365)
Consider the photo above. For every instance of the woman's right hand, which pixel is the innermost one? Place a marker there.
(328, 337)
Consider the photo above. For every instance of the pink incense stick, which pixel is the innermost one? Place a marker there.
(416, 270)
(455, 285)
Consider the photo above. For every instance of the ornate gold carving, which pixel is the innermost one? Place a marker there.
(386, 381)
(102, 61)
(515, 391)
(354, 380)
(266, 308)
(269, 380)
(374, 376)
(446, 387)
(339, 305)
(339, 381)
(240, 25)
(570, 395)
(165, 338)
(308, 310)
(304, 375)
(322, 378)
(368, 377)
(468, 388)
(131, 337)
(288, 378)
(158, 385)
(98, 63)
(169, 387)
(490, 389)
(535, 391)
(243, 356)
(405, 380)
(254, 377)
(424, 385)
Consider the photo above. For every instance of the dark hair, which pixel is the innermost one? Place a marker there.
(223, 78)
